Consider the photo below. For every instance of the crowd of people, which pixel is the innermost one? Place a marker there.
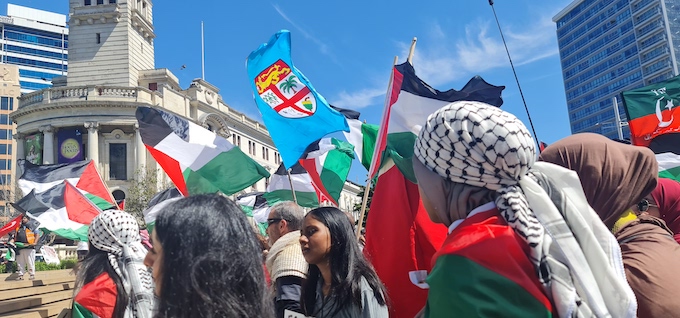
(586, 228)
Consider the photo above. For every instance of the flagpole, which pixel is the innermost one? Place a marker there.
(411, 51)
(202, 53)
(292, 189)
(370, 181)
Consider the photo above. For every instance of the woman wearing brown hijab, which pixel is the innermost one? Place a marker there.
(615, 177)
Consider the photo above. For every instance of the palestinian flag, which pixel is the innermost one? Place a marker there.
(667, 150)
(408, 104)
(400, 239)
(82, 174)
(62, 210)
(196, 159)
(96, 298)
(328, 161)
(363, 136)
(157, 203)
(11, 226)
(652, 110)
(256, 207)
(279, 188)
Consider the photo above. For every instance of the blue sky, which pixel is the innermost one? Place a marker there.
(346, 49)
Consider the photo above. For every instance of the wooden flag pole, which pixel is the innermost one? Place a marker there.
(292, 189)
(369, 182)
(412, 50)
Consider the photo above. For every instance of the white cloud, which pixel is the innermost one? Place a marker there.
(323, 47)
(440, 60)
(359, 99)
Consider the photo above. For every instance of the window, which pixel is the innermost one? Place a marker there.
(4, 103)
(99, 38)
(251, 147)
(4, 119)
(3, 149)
(3, 134)
(112, 1)
(153, 86)
(100, 1)
(118, 161)
(88, 2)
(5, 164)
(266, 183)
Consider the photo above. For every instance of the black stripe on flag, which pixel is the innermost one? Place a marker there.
(666, 143)
(37, 204)
(155, 125)
(477, 89)
(51, 173)
(348, 113)
(296, 169)
(162, 196)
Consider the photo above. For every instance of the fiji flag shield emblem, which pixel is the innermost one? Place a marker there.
(284, 92)
(295, 114)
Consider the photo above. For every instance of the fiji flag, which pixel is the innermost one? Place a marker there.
(294, 113)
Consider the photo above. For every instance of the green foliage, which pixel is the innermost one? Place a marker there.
(357, 207)
(42, 266)
(142, 189)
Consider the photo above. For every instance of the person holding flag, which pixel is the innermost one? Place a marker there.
(25, 239)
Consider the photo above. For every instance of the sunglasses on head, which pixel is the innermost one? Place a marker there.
(644, 205)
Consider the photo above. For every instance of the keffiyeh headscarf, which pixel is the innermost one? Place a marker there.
(117, 233)
(576, 258)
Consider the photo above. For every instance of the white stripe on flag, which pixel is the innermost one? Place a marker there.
(667, 160)
(26, 186)
(405, 117)
(355, 136)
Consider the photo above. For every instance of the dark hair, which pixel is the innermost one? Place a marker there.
(95, 263)
(212, 262)
(348, 266)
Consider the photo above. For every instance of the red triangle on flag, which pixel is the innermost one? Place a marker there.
(11, 226)
(172, 168)
(310, 166)
(78, 207)
(91, 182)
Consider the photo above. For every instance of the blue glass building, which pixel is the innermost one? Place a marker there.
(37, 42)
(610, 46)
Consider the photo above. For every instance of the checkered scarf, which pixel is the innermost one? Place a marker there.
(117, 233)
(480, 145)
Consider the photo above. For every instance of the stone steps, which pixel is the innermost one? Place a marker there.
(46, 296)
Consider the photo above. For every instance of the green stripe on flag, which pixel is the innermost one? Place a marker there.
(81, 312)
(219, 174)
(486, 293)
(79, 234)
(400, 150)
(305, 199)
(99, 202)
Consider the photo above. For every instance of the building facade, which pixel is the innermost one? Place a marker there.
(37, 42)
(10, 90)
(610, 46)
(111, 73)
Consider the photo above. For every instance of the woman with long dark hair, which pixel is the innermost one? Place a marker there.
(112, 281)
(206, 261)
(340, 281)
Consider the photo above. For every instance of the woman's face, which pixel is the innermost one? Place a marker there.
(315, 241)
(154, 260)
(428, 206)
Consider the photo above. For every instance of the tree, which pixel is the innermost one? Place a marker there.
(289, 84)
(142, 188)
(357, 207)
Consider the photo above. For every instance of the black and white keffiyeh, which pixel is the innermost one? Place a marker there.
(576, 258)
(117, 233)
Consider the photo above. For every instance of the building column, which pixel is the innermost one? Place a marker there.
(48, 147)
(93, 142)
(20, 146)
(140, 149)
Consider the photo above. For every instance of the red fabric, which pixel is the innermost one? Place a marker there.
(666, 195)
(79, 208)
(171, 168)
(11, 226)
(92, 182)
(400, 237)
(322, 193)
(486, 239)
(381, 143)
(98, 296)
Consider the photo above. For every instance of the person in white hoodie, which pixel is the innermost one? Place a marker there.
(285, 263)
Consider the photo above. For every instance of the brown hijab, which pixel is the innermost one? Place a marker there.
(614, 176)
